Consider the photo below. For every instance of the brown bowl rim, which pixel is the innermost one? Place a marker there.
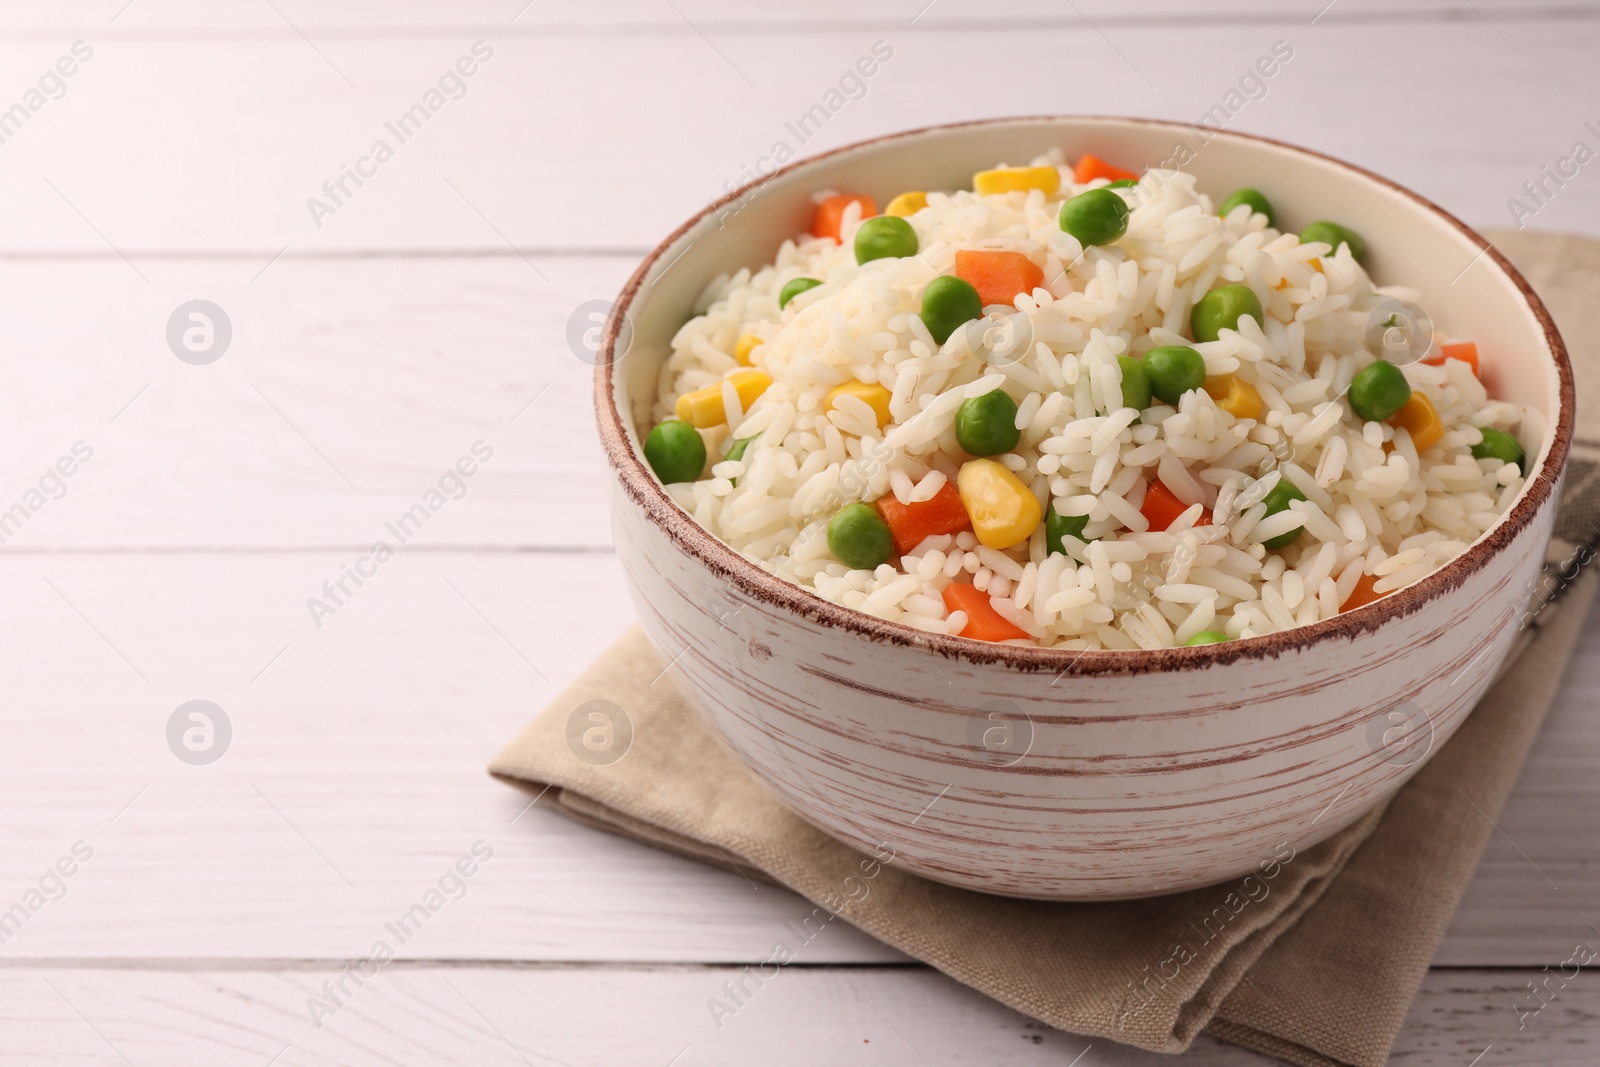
(643, 488)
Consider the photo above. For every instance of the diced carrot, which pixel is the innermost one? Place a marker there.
(1091, 167)
(1362, 593)
(1466, 351)
(830, 213)
(910, 524)
(983, 622)
(998, 276)
(1163, 509)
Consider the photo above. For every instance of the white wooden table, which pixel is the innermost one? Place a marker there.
(371, 347)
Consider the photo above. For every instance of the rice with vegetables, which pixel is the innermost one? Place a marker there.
(1079, 408)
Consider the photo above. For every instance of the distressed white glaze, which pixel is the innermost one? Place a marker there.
(1062, 775)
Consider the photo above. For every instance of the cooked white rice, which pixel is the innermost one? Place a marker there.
(1392, 514)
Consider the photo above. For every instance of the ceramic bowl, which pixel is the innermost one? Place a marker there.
(1081, 775)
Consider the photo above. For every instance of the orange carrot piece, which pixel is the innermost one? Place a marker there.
(1163, 509)
(983, 622)
(998, 276)
(1362, 593)
(1466, 351)
(1091, 167)
(830, 213)
(910, 524)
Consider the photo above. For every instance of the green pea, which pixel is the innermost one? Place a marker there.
(1278, 500)
(859, 538)
(1120, 183)
(1378, 390)
(675, 451)
(1497, 444)
(883, 237)
(736, 450)
(1207, 637)
(1333, 234)
(987, 425)
(1174, 370)
(794, 289)
(948, 302)
(1057, 526)
(1135, 383)
(1259, 204)
(1097, 217)
(1221, 309)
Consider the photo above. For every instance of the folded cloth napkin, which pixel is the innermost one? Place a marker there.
(1314, 959)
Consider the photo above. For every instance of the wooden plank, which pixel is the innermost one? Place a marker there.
(348, 389)
(355, 774)
(494, 167)
(799, 1015)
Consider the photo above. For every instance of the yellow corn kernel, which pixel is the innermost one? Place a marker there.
(1004, 512)
(907, 204)
(874, 395)
(1419, 418)
(1235, 396)
(746, 345)
(703, 407)
(1017, 179)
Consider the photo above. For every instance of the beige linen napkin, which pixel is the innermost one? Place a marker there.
(1314, 960)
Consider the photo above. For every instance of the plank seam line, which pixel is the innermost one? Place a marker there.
(1463, 13)
(335, 254)
(270, 964)
(301, 550)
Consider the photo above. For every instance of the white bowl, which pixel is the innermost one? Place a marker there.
(1082, 775)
